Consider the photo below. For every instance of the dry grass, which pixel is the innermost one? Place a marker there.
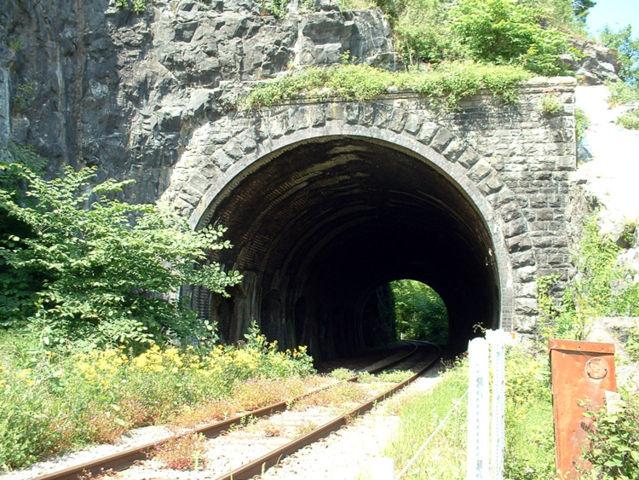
(305, 428)
(183, 453)
(246, 396)
(336, 396)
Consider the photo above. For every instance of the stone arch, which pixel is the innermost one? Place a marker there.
(261, 138)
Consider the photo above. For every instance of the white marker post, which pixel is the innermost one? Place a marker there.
(497, 431)
(478, 411)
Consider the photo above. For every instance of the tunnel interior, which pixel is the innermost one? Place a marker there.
(320, 227)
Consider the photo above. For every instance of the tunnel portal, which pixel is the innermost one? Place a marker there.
(321, 227)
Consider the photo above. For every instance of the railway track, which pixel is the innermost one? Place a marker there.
(419, 358)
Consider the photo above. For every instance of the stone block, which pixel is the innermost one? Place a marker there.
(568, 162)
(427, 132)
(397, 121)
(515, 227)
(353, 112)
(468, 158)
(317, 115)
(441, 139)
(480, 171)
(413, 123)
(491, 184)
(453, 150)
(519, 243)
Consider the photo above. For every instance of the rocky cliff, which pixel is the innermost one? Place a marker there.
(87, 83)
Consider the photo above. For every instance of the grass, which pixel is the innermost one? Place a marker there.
(529, 424)
(444, 84)
(621, 93)
(629, 120)
(419, 416)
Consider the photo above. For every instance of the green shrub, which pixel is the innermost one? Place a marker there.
(98, 271)
(504, 32)
(529, 33)
(529, 418)
(629, 120)
(614, 442)
(582, 124)
(631, 344)
(356, 5)
(621, 92)
(551, 103)
(137, 6)
(424, 34)
(278, 8)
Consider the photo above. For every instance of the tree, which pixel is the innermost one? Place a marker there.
(628, 49)
(581, 8)
(420, 312)
(102, 271)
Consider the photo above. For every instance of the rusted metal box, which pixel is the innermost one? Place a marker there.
(581, 374)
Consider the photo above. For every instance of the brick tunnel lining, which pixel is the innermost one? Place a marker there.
(318, 227)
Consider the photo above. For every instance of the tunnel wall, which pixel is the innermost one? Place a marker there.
(511, 160)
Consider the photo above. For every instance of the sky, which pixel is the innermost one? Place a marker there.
(616, 13)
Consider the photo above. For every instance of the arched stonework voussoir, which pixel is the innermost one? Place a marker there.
(409, 130)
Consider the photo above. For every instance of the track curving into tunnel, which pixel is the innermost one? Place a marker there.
(321, 227)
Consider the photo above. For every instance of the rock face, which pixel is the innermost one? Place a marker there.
(93, 84)
(597, 64)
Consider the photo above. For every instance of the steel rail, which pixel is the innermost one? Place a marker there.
(258, 466)
(124, 459)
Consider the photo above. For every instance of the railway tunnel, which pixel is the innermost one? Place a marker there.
(320, 227)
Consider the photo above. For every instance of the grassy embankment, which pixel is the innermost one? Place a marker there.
(51, 403)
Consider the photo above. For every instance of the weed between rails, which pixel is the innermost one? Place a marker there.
(338, 395)
(183, 453)
(392, 376)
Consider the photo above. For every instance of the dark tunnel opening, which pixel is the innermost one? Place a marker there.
(317, 227)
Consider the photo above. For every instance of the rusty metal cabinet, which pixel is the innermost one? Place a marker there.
(581, 374)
